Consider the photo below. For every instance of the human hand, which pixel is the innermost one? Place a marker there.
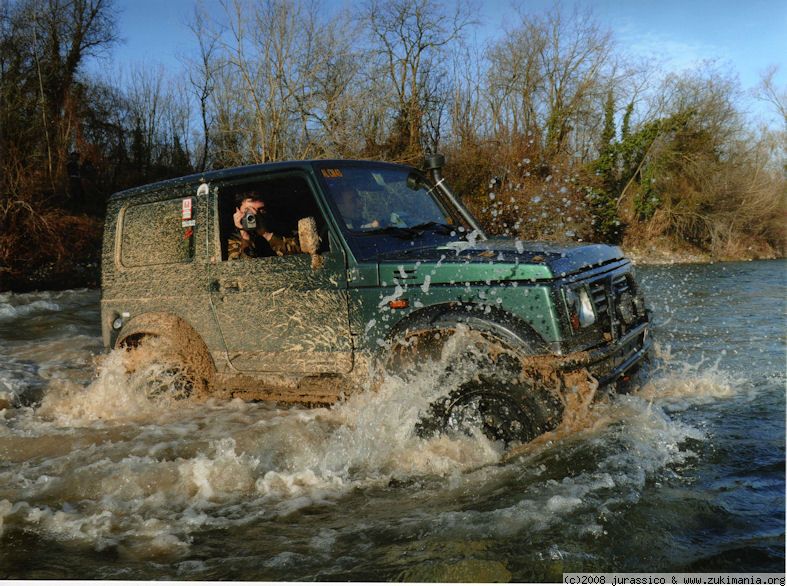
(248, 206)
(237, 217)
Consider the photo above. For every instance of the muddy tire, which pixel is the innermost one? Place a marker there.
(507, 409)
(164, 371)
(497, 395)
(514, 413)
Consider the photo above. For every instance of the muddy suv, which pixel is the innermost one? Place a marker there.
(392, 270)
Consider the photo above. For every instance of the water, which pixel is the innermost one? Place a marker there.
(685, 474)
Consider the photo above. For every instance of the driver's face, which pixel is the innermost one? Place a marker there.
(346, 200)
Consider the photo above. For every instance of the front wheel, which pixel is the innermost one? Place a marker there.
(495, 389)
(510, 411)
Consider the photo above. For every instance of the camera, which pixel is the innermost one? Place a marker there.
(249, 222)
(252, 222)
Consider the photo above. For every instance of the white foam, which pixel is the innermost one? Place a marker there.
(115, 394)
(9, 311)
(563, 504)
(640, 441)
(148, 474)
(676, 385)
(149, 485)
(221, 473)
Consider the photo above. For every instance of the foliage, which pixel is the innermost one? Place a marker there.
(604, 194)
(536, 141)
(68, 141)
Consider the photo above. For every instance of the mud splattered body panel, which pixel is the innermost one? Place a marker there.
(134, 289)
(284, 321)
(278, 314)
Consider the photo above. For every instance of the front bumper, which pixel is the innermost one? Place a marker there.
(614, 360)
(609, 364)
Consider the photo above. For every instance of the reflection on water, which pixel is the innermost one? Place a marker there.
(687, 473)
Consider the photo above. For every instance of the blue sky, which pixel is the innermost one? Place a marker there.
(748, 35)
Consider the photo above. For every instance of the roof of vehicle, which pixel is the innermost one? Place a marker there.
(238, 172)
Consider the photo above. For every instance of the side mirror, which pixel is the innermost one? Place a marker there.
(434, 162)
(310, 240)
(414, 182)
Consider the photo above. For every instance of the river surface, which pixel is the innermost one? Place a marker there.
(685, 474)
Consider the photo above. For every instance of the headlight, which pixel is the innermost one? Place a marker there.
(580, 309)
(117, 323)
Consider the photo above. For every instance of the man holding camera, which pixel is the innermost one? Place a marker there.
(253, 239)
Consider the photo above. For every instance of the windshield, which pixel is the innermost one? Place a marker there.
(375, 200)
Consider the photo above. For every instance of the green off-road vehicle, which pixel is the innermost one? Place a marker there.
(394, 271)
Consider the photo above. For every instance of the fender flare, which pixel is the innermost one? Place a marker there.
(178, 332)
(513, 330)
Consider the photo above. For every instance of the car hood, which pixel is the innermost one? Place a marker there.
(494, 260)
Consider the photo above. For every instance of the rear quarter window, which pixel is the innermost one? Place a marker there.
(152, 234)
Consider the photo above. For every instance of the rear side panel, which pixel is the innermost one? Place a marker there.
(155, 260)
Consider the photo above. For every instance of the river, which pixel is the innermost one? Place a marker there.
(685, 474)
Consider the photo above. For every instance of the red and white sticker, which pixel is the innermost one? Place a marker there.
(186, 209)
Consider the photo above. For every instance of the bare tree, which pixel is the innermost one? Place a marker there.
(43, 45)
(201, 73)
(286, 72)
(770, 93)
(411, 38)
(548, 78)
(64, 32)
(338, 91)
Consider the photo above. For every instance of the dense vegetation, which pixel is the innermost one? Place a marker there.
(551, 131)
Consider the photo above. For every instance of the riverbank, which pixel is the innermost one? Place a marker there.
(60, 251)
(54, 277)
(87, 274)
(663, 251)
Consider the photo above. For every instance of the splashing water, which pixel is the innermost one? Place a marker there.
(99, 479)
(136, 471)
(158, 483)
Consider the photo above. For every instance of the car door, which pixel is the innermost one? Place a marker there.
(277, 313)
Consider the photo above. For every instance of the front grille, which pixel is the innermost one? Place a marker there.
(620, 284)
(598, 293)
(625, 311)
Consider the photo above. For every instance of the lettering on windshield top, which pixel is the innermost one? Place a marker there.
(331, 173)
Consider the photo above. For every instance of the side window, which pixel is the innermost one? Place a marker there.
(279, 202)
(152, 234)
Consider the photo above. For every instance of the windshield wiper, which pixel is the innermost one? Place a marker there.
(410, 232)
(439, 227)
(398, 231)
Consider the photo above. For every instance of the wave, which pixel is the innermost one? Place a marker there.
(149, 473)
(9, 311)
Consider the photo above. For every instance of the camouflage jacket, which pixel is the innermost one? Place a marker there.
(257, 246)
(284, 245)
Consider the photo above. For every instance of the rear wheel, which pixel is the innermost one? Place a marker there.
(164, 371)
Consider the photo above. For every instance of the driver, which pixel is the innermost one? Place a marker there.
(350, 207)
(257, 243)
